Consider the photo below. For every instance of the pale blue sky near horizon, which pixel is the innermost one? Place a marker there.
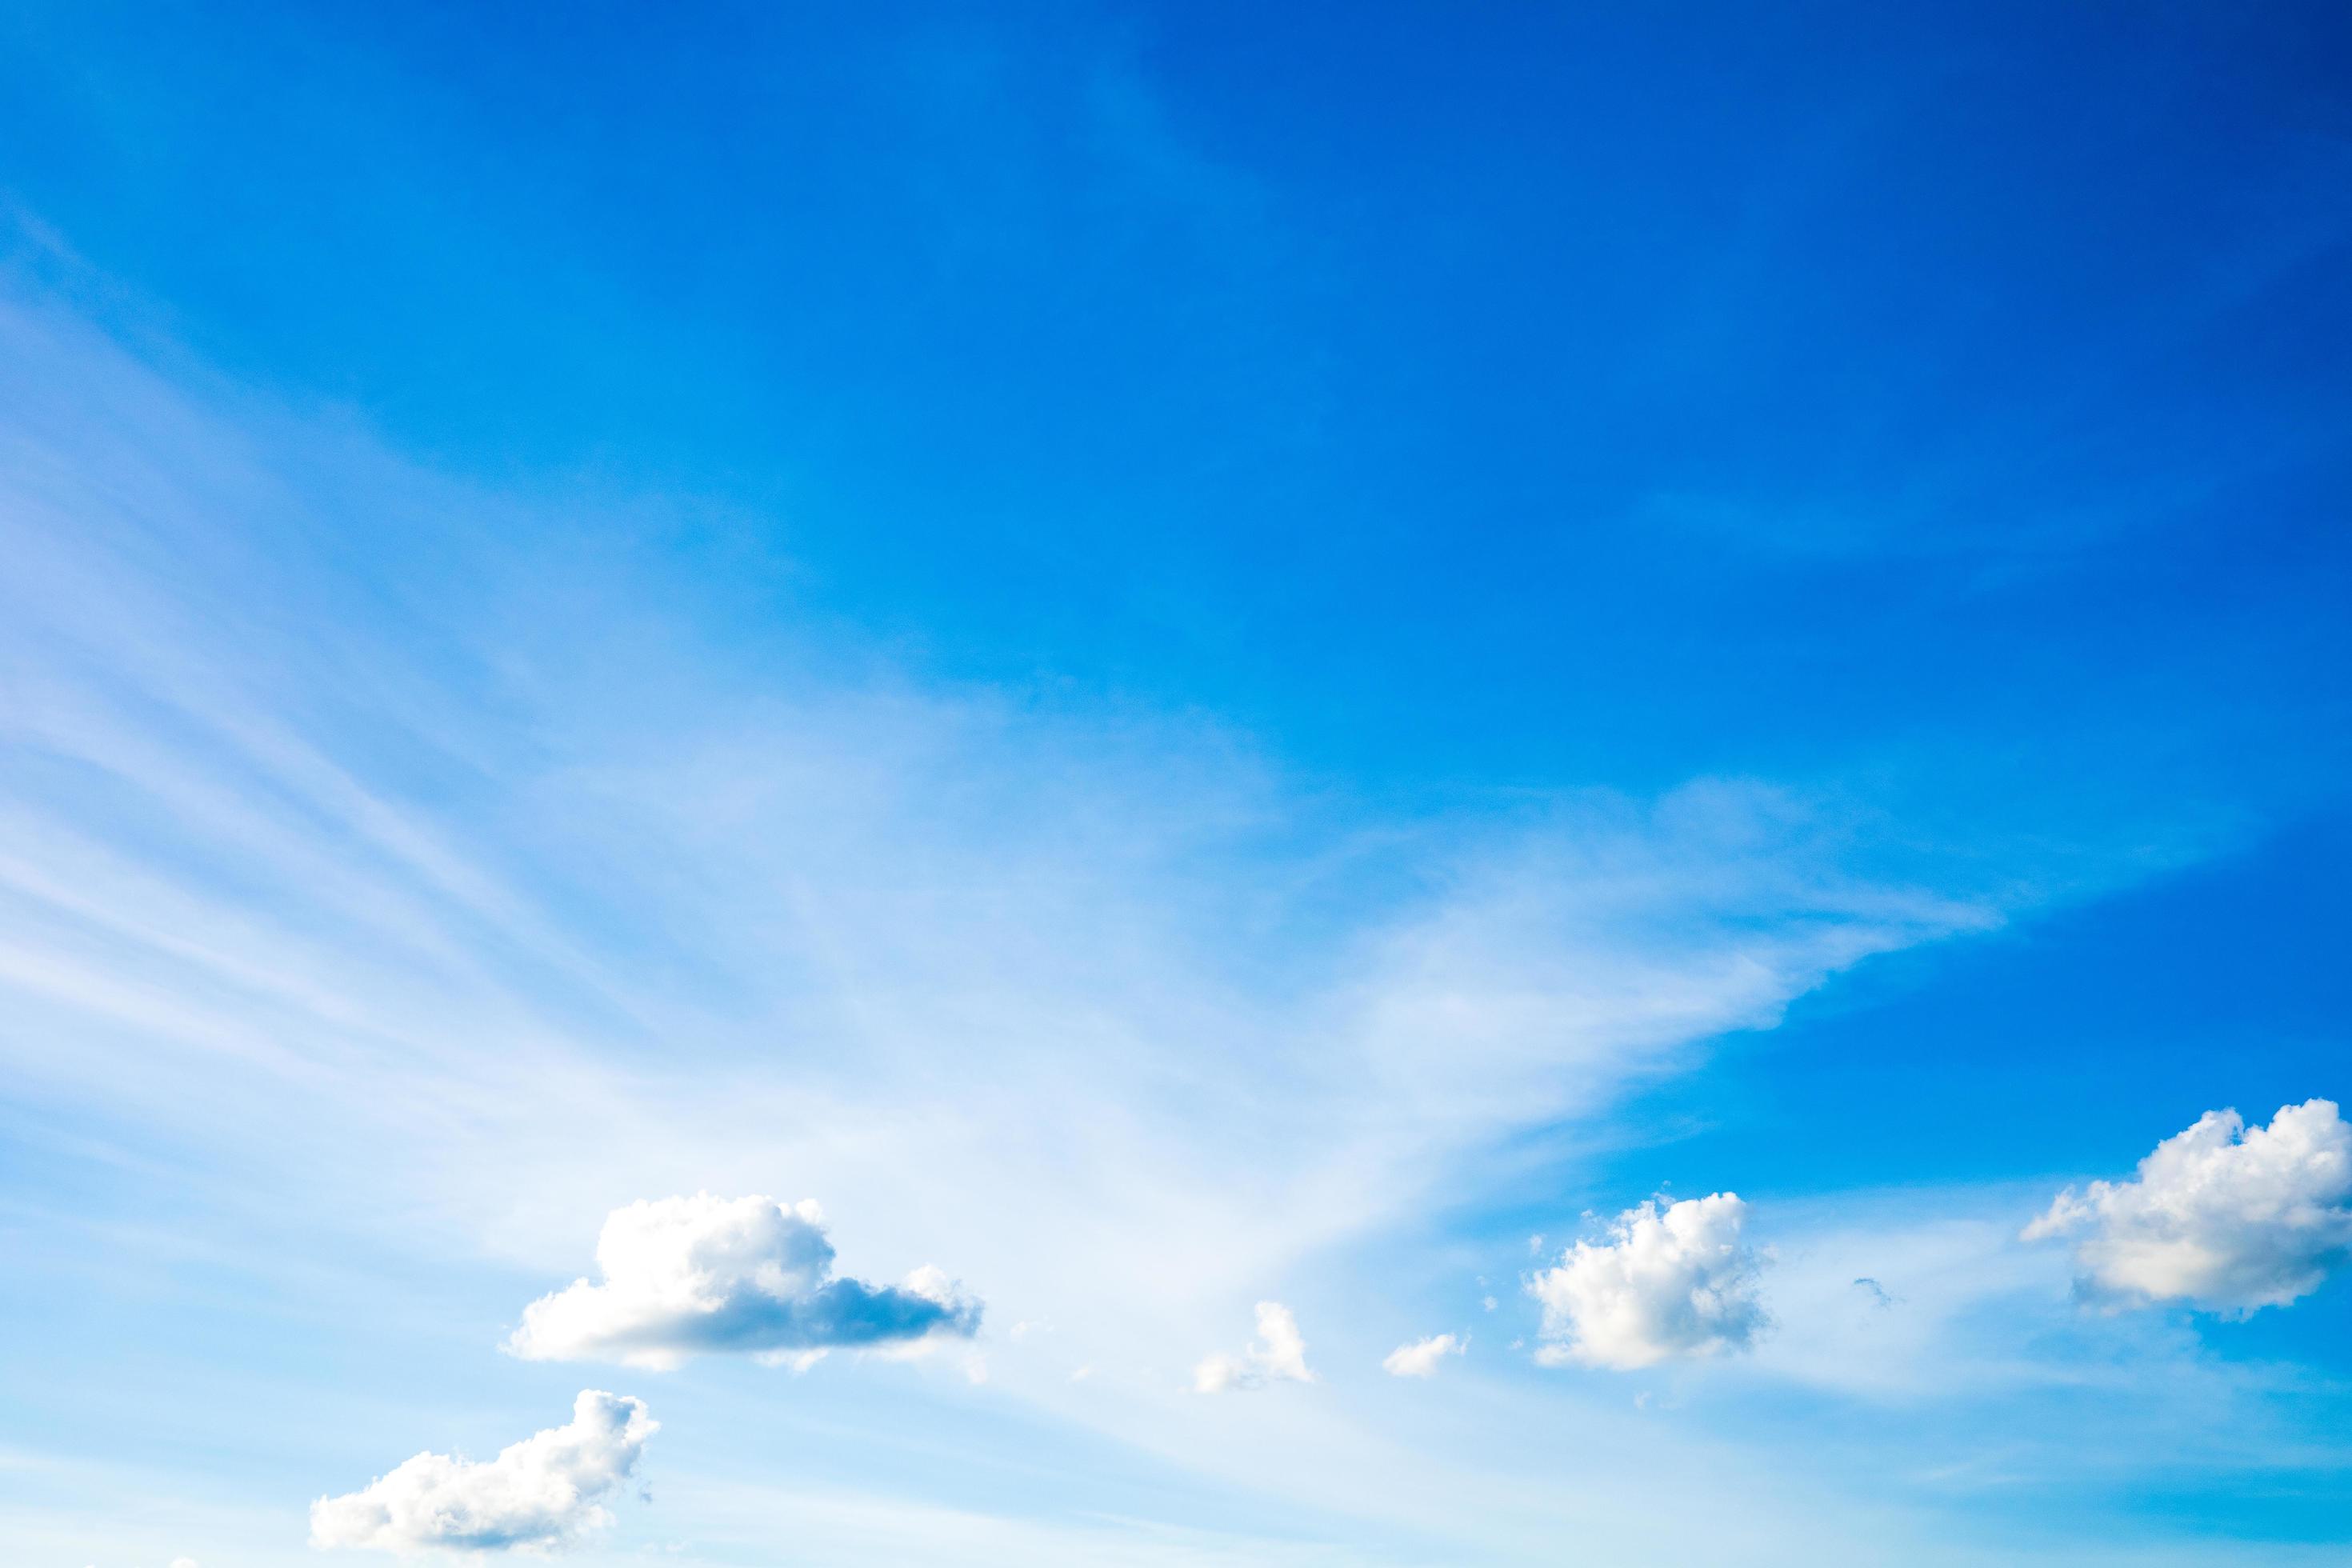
(1176, 657)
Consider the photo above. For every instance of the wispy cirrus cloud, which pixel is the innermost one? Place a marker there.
(532, 870)
(875, 915)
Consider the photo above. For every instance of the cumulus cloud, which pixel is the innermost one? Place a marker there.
(1277, 1354)
(1671, 1283)
(1423, 1357)
(748, 1275)
(2228, 1218)
(542, 1492)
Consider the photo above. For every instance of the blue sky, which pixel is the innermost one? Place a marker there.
(1180, 660)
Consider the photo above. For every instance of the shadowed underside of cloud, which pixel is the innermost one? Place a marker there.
(2228, 1218)
(1668, 1283)
(542, 1492)
(719, 1275)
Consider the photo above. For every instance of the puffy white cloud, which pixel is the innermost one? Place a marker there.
(542, 1492)
(1277, 1354)
(1423, 1357)
(1675, 1282)
(2228, 1218)
(748, 1275)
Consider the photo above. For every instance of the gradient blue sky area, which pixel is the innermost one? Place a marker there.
(1174, 656)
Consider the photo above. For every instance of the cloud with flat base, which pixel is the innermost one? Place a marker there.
(2228, 1218)
(715, 1276)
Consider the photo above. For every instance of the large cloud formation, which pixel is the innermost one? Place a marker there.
(747, 1275)
(1670, 1283)
(1278, 1354)
(542, 1492)
(2228, 1218)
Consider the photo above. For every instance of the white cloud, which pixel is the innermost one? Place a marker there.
(747, 1275)
(1423, 1357)
(1277, 1354)
(1670, 1283)
(542, 1492)
(2228, 1218)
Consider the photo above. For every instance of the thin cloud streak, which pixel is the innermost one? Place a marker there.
(606, 907)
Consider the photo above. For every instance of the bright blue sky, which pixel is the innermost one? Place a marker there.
(1177, 657)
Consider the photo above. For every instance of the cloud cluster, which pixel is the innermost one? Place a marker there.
(1278, 1355)
(1675, 1282)
(747, 1275)
(1423, 1357)
(2228, 1218)
(542, 1492)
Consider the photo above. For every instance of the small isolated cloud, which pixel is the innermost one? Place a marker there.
(2228, 1218)
(544, 1492)
(1423, 1357)
(745, 1275)
(1671, 1283)
(1278, 1354)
